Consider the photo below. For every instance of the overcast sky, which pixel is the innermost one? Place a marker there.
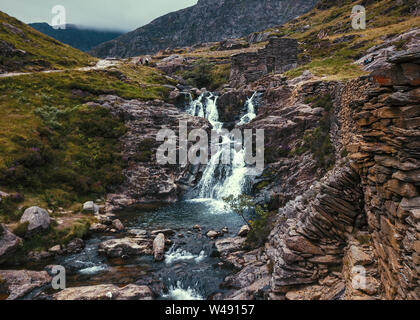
(124, 15)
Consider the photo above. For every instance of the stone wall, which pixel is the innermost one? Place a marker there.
(278, 56)
(356, 233)
(386, 154)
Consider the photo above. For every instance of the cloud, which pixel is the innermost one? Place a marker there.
(110, 14)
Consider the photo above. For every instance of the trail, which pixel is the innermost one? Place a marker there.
(100, 65)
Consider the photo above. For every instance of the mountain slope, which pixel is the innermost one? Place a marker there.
(77, 37)
(209, 20)
(22, 48)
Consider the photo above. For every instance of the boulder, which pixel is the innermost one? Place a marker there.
(90, 207)
(38, 219)
(159, 247)
(120, 248)
(138, 233)
(20, 283)
(55, 249)
(105, 292)
(8, 242)
(228, 245)
(75, 246)
(212, 234)
(104, 219)
(117, 224)
(36, 256)
(98, 227)
(243, 232)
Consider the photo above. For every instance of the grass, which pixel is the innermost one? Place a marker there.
(56, 148)
(206, 74)
(42, 52)
(55, 235)
(334, 60)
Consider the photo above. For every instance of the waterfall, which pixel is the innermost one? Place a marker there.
(220, 180)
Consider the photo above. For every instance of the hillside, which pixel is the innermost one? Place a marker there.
(329, 48)
(209, 20)
(22, 48)
(80, 38)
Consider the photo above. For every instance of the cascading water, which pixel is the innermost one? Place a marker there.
(220, 180)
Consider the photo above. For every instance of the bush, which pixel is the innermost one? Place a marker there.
(55, 198)
(21, 229)
(9, 211)
(79, 230)
(206, 74)
(261, 226)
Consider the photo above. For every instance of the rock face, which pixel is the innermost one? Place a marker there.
(386, 155)
(38, 219)
(8, 242)
(278, 56)
(354, 234)
(310, 235)
(21, 283)
(207, 21)
(106, 292)
(145, 180)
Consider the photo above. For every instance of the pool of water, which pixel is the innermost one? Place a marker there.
(190, 269)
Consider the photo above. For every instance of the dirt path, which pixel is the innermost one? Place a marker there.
(100, 65)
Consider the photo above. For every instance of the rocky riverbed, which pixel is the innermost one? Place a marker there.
(181, 251)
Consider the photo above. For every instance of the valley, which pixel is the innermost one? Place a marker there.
(333, 215)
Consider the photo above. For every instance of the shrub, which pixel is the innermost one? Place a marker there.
(206, 74)
(9, 211)
(21, 229)
(261, 226)
(79, 230)
(55, 198)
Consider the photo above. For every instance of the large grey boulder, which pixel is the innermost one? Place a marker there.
(8, 242)
(38, 219)
(90, 207)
